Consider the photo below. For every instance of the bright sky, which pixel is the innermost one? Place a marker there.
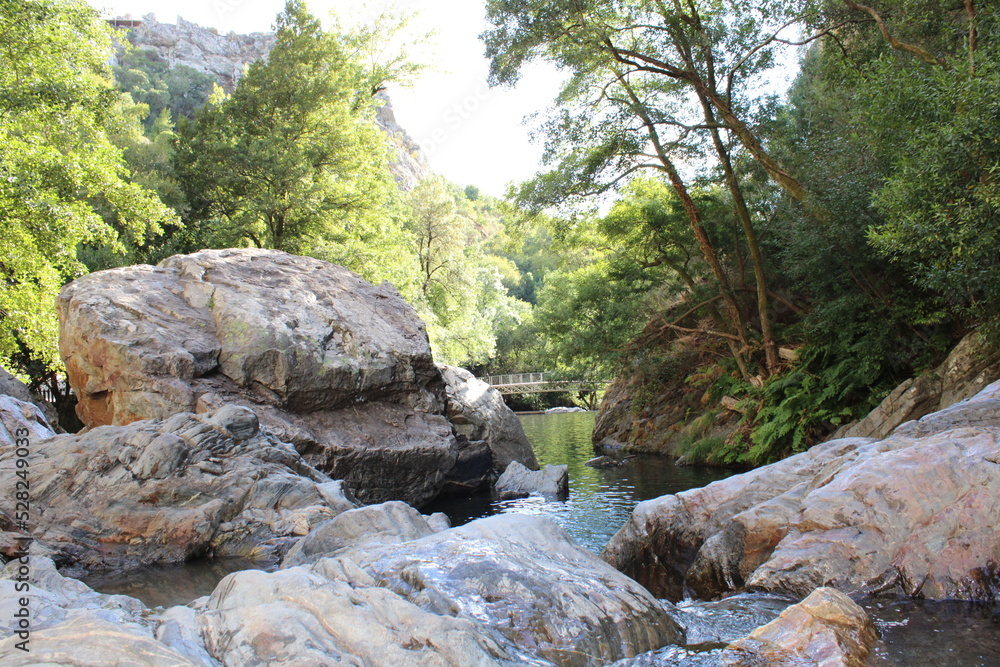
(471, 134)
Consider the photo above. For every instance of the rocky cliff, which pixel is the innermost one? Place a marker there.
(226, 57)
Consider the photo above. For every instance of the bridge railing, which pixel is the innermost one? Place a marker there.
(516, 378)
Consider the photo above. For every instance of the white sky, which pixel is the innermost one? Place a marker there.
(471, 134)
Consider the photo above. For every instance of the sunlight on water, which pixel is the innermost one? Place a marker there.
(600, 501)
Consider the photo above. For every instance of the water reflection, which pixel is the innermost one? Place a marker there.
(925, 632)
(172, 584)
(600, 501)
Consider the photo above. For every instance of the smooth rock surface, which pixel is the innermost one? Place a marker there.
(827, 629)
(338, 367)
(478, 412)
(915, 513)
(549, 481)
(168, 491)
(524, 578)
(369, 527)
(296, 617)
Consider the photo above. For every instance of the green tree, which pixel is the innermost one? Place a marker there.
(59, 166)
(150, 80)
(292, 159)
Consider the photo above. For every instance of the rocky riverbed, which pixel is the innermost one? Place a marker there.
(255, 404)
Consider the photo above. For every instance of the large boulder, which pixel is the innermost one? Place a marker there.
(517, 480)
(171, 490)
(915, 513)
(524, 579)
(479, 412)
(338, 367)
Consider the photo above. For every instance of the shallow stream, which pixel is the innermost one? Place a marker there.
(914, 633)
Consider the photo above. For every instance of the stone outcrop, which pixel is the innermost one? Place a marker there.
(171, 490)
(223, 57)
(970, 366)
(338, 367)
(915, 513)
(517, 480)
(478, 412)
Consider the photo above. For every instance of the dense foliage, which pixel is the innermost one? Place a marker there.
(63, 179)
(696, 231)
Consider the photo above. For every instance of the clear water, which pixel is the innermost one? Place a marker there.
(600, 501)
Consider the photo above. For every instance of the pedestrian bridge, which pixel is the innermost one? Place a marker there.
(538, 383)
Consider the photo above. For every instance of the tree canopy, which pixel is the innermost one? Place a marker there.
(63, 180)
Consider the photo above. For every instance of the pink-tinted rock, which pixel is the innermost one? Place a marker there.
(827, 629)
(916, 512)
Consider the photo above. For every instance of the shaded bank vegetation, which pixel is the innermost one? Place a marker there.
(756, 268)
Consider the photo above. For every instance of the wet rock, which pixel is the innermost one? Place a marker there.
(478, 412)
(168, 491)
(473, 470)
(550, 481)
(605, 462)
(338, 367)
(524, 578)
(826, 629)
(360, 529)
(914, 513)
(296, 617)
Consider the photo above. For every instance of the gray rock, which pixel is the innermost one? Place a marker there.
(914, 513)
(473, 469)
(364, 528)
(479, 413)
(326, 361)
(11, 386)
(22, 419)
(168, 491)
(296, 617)
(550, 481)
(524, 578)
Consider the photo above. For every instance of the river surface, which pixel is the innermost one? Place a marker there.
(600, 501)
(914, 633)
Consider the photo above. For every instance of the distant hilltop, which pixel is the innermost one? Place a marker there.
(226, 57)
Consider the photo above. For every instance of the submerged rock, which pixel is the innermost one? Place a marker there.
(171, 490)
(915, 512)
(518, 482)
